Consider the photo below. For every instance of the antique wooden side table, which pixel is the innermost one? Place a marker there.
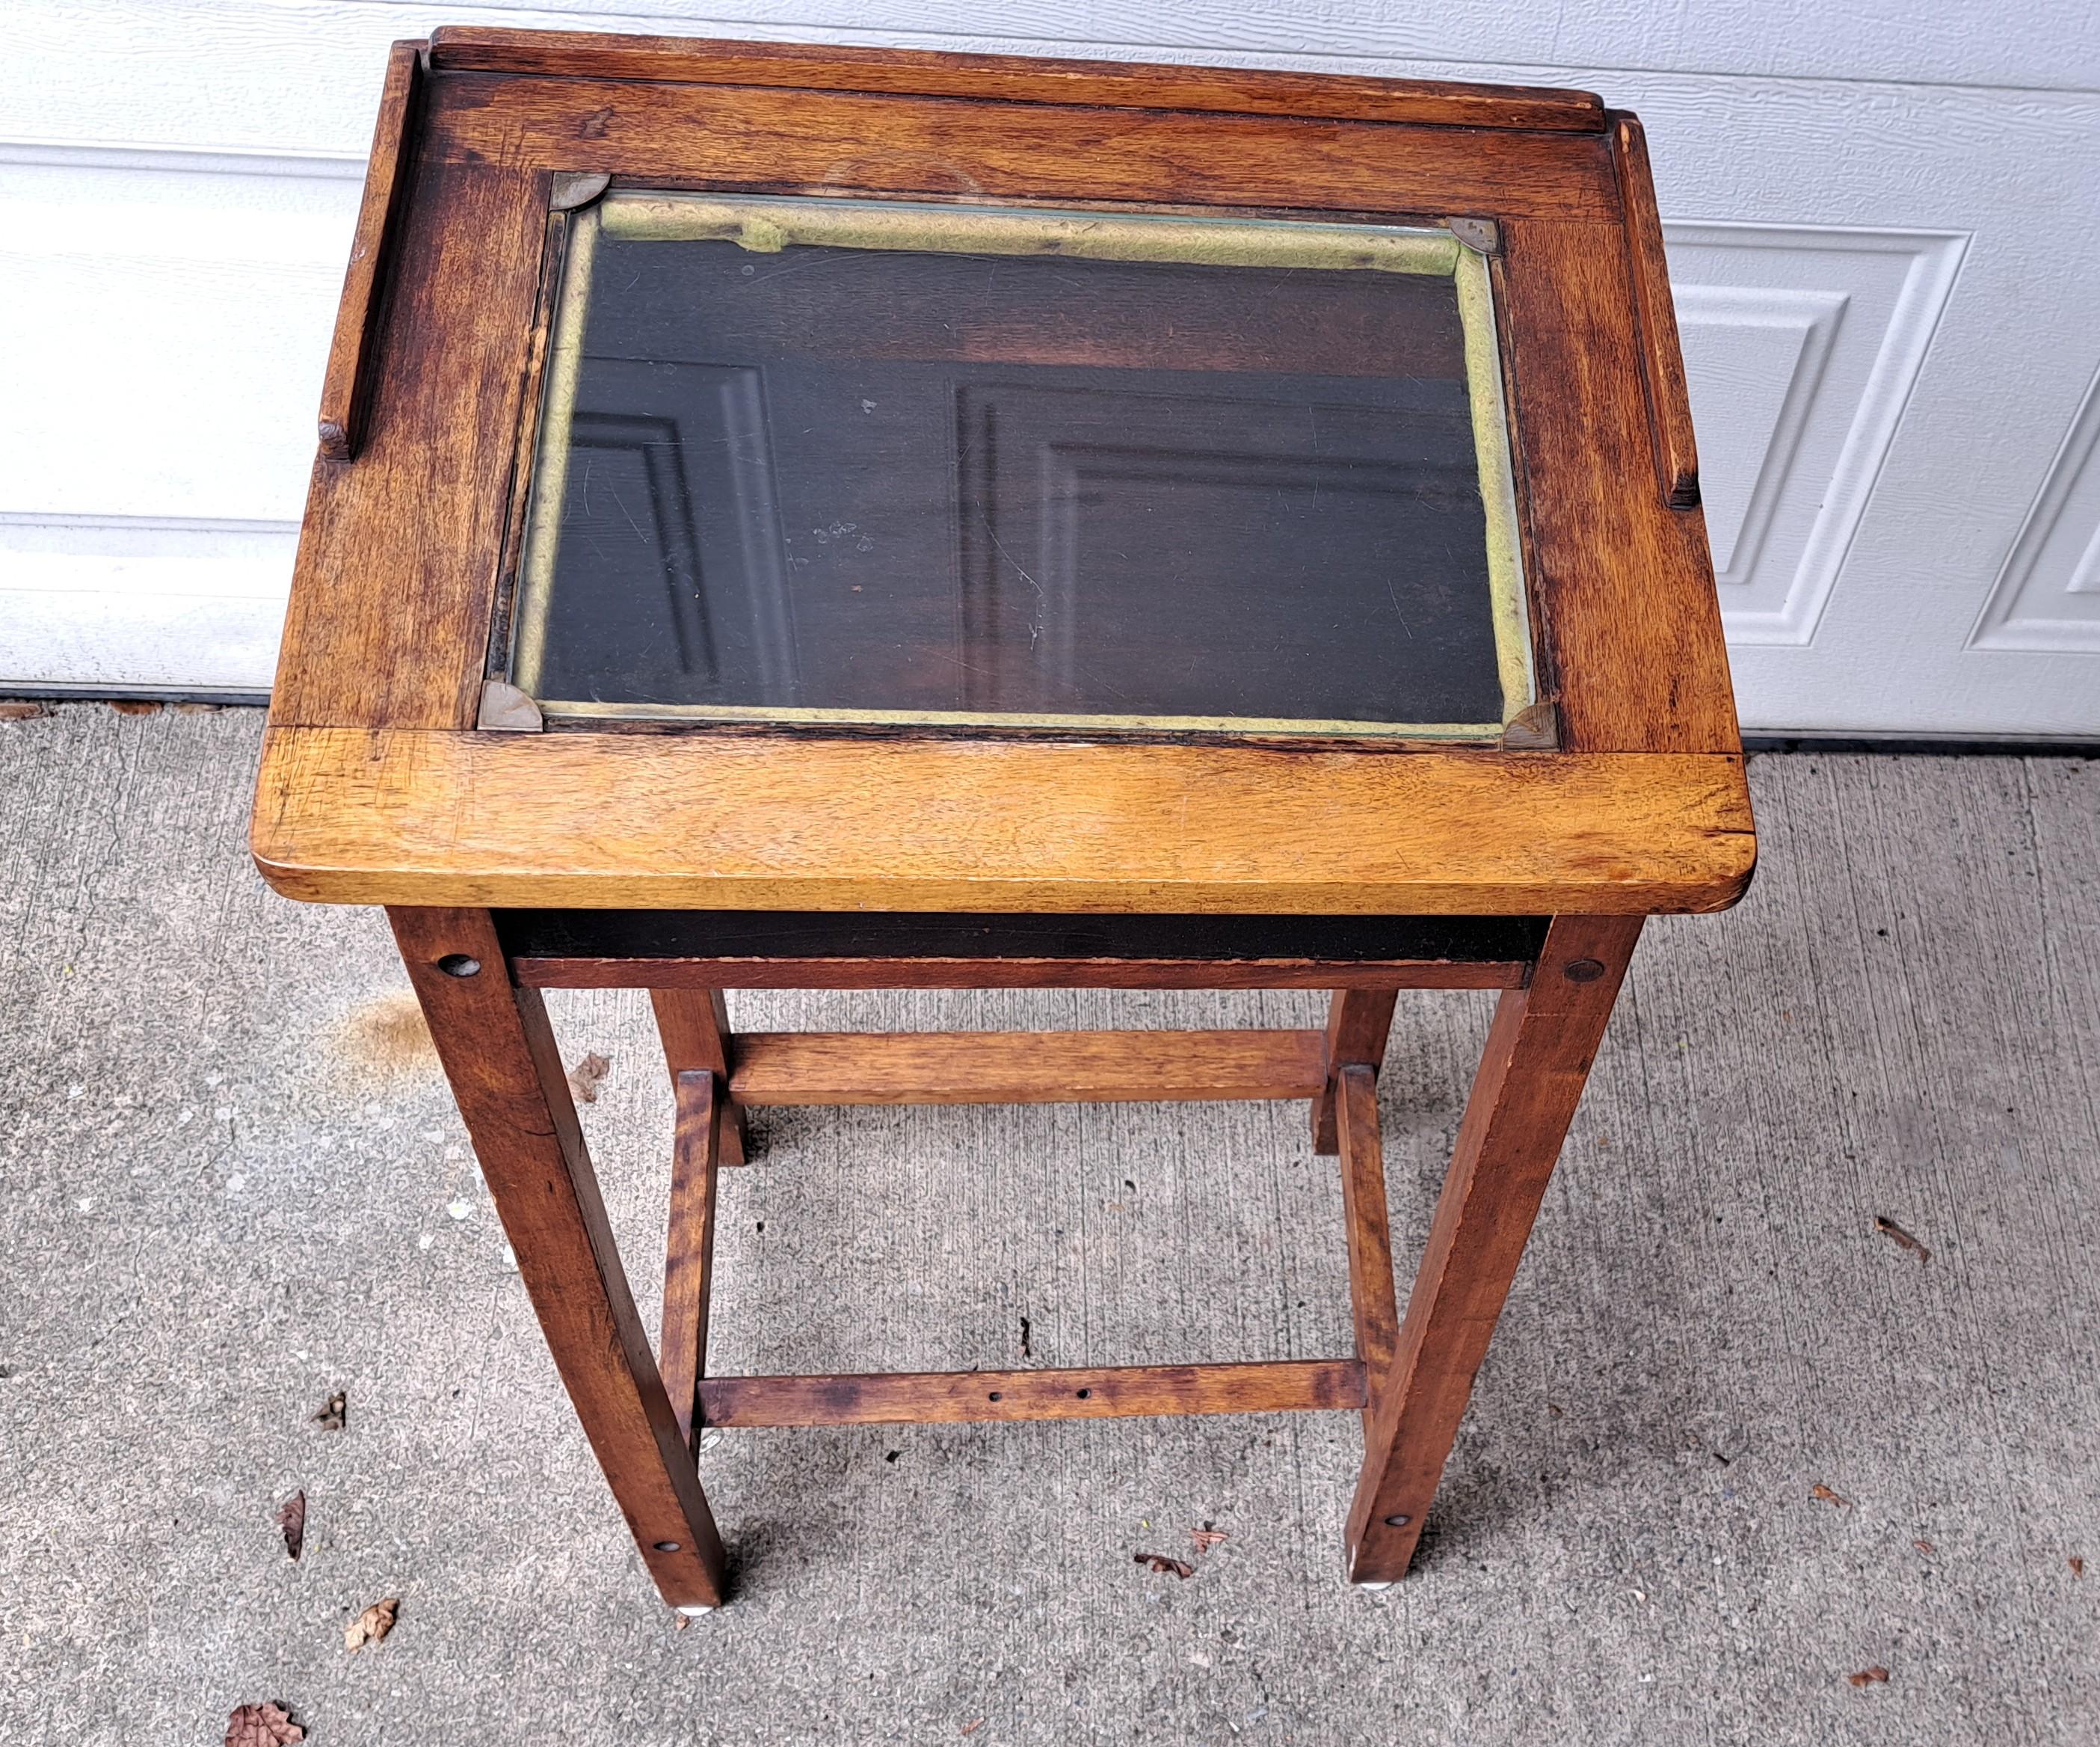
(819, 518)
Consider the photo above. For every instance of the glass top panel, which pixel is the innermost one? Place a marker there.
(808, 460)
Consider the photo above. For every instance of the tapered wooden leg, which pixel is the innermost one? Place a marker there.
(1371, 1294)
(499, 1052)
(689, 1248)
(694, 1024)
(1359, 1021)
(1531, 1077)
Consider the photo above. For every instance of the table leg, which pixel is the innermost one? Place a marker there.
(499, 1054)
(694, 1024)
(689, 1247)
(1371, 1294)
(1359, 1021)
(1531, 1077)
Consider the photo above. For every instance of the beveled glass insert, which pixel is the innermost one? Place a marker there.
(875, 461)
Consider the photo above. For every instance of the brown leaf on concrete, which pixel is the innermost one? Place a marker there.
(1924, 1546)
(1160, 1563)
(971, 1728)
(261, 1726)
(371, 1625)
(331, 1418)
(1890, 1229)
(1868, 1677)
(19, 709)
(2077, 1566)
(1207, 1537)
(292, 1519)
(1829, 1497)
(588, 1075)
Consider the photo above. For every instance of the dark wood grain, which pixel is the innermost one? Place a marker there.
(1669, 396)
(1372, 1299)
(1012, 78)
(1359, 1021)
(693, 1025)
(394, 584)
(1021, 1067)
(953, 1397)
(352, 365)
(1623, 583)
(506, 1073)
(743, 136)
(1539, 1053)
(688, 1246)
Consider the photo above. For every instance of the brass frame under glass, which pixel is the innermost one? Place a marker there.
(766, 224)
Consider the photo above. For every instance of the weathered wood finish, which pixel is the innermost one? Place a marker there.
(1669, 398)
(1359, 1021)
(1022, 1067)
(689, 1246)
(730, 136)
(347, 388)
(375, 786)
(523, 820)
(1372, 1299)
(1531, 1077)
(1012, 78)
(506, 1074)
(693, 1025)
(1620, 581)
(394, 591)
(395, 584)
(956, 1397)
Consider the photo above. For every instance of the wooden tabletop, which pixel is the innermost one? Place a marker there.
(1623, 792)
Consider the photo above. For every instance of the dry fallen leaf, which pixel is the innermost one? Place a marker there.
(19, 709)
(1903, 1238)
(261, 1726)
(2077, 1567)
(1160, 1563)
(1207, 1537)
(292, 1519)
(971, 1728)
(1829, 1497)
(371, 1625)
(330, 1418)
(1924, 1546)
(1868, 1676)
(588, 1075)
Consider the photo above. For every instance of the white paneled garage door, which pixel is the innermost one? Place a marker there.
(1884, 224)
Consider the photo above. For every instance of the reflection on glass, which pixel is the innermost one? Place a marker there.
(855, 460)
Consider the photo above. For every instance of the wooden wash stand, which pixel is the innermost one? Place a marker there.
(798, 518)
